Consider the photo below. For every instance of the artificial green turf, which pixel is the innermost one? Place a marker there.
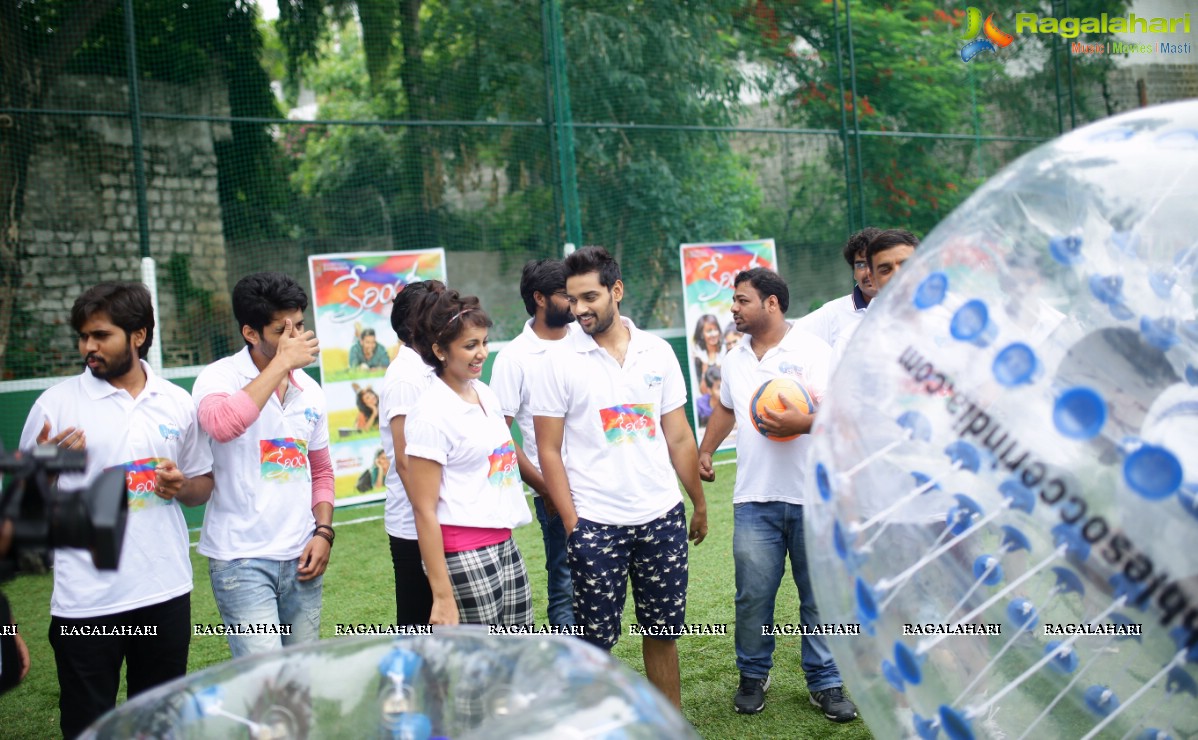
(359, 588)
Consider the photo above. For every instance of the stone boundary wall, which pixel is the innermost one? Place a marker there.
(80, 224)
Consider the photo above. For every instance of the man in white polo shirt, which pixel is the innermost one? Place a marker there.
(407, 380)
(268, 528)
(123, 415)
(768, 498)
(543, 289)
(837, 315)
(611, 404)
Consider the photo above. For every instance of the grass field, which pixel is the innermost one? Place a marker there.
(358, 587)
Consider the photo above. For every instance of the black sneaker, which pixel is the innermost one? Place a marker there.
(834, 704)
(750, 696)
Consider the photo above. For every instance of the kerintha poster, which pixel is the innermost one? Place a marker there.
(351, 300)
(707, 274)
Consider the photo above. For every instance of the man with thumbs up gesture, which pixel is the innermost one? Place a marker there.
(268, 528)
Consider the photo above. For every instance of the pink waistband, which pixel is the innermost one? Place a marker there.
(461, 539)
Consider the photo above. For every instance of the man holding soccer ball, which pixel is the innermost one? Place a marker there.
(769, 496)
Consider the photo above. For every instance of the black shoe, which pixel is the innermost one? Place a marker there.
(834, 704)
(750, 696)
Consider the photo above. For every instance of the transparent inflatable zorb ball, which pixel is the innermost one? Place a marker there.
(1007, 458)
(458, 683)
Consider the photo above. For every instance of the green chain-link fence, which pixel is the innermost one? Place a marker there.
(218, 141)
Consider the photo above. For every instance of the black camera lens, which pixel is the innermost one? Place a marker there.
(43, 516)
(93, 519)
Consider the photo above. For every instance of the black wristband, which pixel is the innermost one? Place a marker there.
(324, 535)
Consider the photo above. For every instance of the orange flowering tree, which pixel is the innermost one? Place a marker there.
(905, 82)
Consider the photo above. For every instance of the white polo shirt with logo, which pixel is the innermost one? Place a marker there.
(480, 476)
(767, 469)
(407, 379)
(615, 451)
(829, 321)
(262, 504)
(136, 434)
(512, 378)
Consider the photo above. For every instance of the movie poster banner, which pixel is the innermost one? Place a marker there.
(707, 274)
(351, 300)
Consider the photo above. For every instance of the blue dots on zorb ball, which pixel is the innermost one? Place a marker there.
(1153, 472)
(1016, 365)
(1160, 333)
(1066, 249)
(971, 323)
(1079, 413)
(1064, 659)
(987, 569)
(931, 291)
(822, 482)
(1101, 700)
(1039, 353)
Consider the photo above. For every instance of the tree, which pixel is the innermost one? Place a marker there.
(909, 77)
(641, 191)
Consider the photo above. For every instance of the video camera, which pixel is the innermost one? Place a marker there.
(45, 517)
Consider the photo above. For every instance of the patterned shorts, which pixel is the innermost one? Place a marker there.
(604, 556)
(490, 585)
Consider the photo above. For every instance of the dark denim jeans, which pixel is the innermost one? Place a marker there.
(763, 535)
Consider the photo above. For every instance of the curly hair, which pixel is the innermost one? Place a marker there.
(441, 318)
(402, 307)
(858, 243)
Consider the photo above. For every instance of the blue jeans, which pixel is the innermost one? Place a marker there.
(763, 534)
(255, 592)
(561, 587)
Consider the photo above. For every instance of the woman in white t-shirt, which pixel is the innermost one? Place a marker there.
(465, 485)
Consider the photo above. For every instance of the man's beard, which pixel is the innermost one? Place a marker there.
(117, 368)
(556, 319)
(602, 323)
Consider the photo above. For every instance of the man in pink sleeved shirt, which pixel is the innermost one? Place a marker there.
(268, 527)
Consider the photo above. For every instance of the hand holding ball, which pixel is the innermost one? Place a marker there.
(769, 397)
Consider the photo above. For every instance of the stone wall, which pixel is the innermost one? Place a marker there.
(80, 224)
(1131, 85)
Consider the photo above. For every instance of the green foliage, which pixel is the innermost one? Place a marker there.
(1082, 77)
(909, 78)
(490, 188)
(644, 192)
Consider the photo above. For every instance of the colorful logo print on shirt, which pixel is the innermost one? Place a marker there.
(142, 482)
(789, 368)
(284, 460)
(991, 39)
(311, 414)
(628, 423)
(504, 467)
(168, 433)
